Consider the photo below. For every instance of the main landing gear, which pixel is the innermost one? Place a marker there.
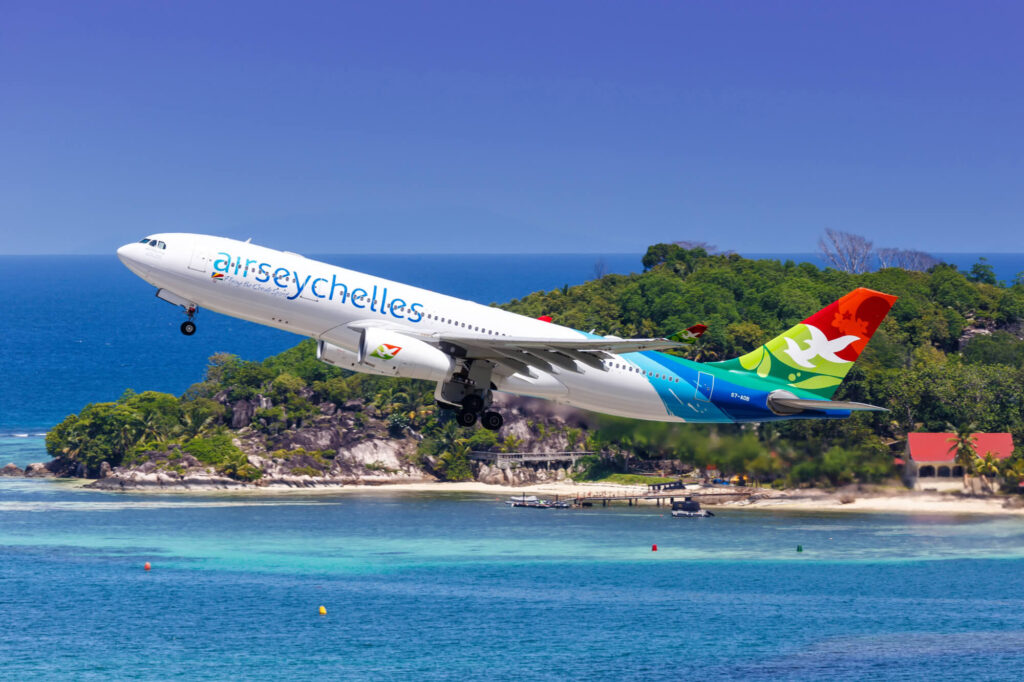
(468, 392)
(469, 411)
(489, 420)
(188, 327)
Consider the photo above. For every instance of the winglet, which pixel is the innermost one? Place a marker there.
(690, 334)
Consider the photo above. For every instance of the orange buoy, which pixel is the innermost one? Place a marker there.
(146, 566)
(323, 611)
(654, 548)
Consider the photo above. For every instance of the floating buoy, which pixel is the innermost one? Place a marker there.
(323, 611)
(799, 548)
(654, 548)
(146, 566)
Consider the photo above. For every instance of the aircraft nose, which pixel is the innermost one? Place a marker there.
(129, 255)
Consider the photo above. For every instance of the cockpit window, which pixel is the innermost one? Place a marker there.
(161, 245)
(144, 240)
(153, 242)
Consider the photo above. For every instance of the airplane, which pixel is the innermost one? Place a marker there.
(368, 324)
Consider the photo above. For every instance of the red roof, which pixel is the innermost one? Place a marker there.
(938, 447)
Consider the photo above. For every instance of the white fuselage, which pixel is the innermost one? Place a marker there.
(311, 298)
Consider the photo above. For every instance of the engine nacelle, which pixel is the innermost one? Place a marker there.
(391, 354)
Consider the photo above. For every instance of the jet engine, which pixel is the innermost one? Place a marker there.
(389, 353)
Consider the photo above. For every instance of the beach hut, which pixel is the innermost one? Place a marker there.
(931, 461)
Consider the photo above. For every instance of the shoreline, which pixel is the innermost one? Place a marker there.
(805, 500)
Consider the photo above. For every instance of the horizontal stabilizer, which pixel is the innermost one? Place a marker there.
(789, 404)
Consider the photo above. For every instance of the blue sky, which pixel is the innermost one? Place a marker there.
(512, 126)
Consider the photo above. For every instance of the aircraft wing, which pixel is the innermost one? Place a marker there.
(522, 354)
(519, 355)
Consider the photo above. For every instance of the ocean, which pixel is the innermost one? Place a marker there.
(439, 586)
(457, 586)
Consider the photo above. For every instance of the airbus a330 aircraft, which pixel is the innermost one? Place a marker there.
(368, 324)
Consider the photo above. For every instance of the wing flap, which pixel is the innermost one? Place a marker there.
(616, 346)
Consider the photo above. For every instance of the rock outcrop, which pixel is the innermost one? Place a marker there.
(12, 470)
(348, 444)
(38, 470)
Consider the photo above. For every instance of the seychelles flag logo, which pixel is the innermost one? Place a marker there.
(217, 275)
(385, 351)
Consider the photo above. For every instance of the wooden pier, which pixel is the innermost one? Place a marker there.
(666, 497)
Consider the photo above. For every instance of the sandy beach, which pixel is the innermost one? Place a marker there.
(896, 502)
(890, 501)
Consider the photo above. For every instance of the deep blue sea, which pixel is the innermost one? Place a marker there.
(440, 586)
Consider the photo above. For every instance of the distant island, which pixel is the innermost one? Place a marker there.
(950, 354)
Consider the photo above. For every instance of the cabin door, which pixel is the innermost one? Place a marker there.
(198, 261)
(705, 386)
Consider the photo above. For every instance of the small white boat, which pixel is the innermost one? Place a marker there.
(534, 502)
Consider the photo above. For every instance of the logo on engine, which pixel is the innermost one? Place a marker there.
(385, 351)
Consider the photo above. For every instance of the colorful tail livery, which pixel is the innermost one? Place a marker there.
(815, 355)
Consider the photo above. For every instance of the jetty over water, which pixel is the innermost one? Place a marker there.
(667, 497)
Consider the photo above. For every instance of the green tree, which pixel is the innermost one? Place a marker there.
(982, 272)
(454, 463)
(963, 444)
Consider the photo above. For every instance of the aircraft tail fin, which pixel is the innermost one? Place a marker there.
(816, 354)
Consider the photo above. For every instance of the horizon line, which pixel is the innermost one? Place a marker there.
(533, 253)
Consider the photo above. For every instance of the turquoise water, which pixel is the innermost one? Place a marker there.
(445, 586)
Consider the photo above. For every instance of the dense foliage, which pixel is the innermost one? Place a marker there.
(950, 352)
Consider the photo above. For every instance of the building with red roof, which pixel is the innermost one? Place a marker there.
(933, 455)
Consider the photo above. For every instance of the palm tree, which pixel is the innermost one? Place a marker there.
(127, 436)
(149, 427)
(511, 443)
(446, 433)
(193, 422)
(987, 466)
(76, 440)
(963, 444)
(389, 397)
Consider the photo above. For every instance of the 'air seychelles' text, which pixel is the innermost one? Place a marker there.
(318, 287)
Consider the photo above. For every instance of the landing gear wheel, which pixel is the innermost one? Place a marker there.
(491, 420)
(188, 327)
(472, 403)
(465, 418)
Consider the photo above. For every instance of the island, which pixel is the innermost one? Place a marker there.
(950, 356)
